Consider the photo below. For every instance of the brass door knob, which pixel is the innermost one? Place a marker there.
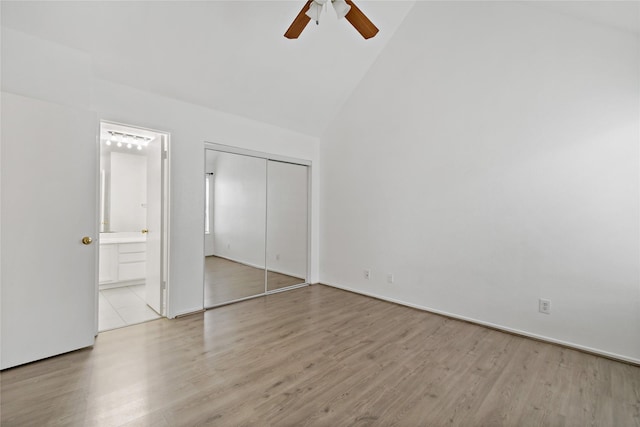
(144, 231)
(87, 240)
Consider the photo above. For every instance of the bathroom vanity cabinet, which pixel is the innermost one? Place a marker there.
(122, 261)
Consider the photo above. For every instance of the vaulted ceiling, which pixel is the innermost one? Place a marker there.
(232, 56)
(226, 55)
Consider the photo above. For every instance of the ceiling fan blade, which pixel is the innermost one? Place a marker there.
(360, 22)
(298, 23)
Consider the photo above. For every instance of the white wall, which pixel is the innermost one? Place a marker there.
(45, 70)
(189, 126)
(128, 173)
(29, 68)
(490, 158)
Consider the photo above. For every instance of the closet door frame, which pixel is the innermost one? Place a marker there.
(274, 157)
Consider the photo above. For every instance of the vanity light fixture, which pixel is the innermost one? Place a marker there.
(129, 140)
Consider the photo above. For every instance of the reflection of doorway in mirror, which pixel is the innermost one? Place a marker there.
(208, 213)
(133, 217)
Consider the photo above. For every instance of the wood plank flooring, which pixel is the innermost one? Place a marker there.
(318, 356)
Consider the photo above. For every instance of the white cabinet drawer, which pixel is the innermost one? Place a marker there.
(132, 247)
(132, 257)
(133, 270)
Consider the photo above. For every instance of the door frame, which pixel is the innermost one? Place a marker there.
(164, 213)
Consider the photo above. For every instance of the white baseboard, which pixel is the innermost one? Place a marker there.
(286, 273)
(239, 261)
(591, 350)
(112, 285)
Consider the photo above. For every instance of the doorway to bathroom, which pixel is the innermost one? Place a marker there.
(133, 220)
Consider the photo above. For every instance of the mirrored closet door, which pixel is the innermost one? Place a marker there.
(286, 224)
(256, 226)
(235, 229)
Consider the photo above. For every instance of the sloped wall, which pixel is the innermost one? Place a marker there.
(488, 159)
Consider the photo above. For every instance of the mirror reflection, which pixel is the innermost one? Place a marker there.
(123, 189)
(234, 227)
(286, 224)
(256, 226)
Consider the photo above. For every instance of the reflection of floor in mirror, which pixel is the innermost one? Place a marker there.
(226, 280)
(279, 280)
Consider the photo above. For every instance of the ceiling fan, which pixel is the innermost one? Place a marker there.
(344, 8)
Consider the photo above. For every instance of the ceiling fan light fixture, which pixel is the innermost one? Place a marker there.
(341, 7)
(344, 9)
(315, 9)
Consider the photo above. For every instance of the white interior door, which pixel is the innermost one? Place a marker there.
(153, 283)
(49, 203)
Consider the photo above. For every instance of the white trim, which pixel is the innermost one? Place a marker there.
(266, 222)
(123, 284)
(273, 157)
(203, 235)
(165, 215)
(248, 264)
(165, 278)
(287, 273)
(309, 222)
(253, 153)
(491, 325)
(96, 304)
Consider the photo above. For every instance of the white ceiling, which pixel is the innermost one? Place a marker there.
(226, 55)
(232, 56)
(621, 14)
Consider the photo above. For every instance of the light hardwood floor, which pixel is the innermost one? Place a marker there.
(323, 357)
(226, 280)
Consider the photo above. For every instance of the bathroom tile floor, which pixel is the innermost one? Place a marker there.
(118, 307)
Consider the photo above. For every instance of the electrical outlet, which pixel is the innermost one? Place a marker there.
(544, 306)
(367, 274)
(389, 278)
